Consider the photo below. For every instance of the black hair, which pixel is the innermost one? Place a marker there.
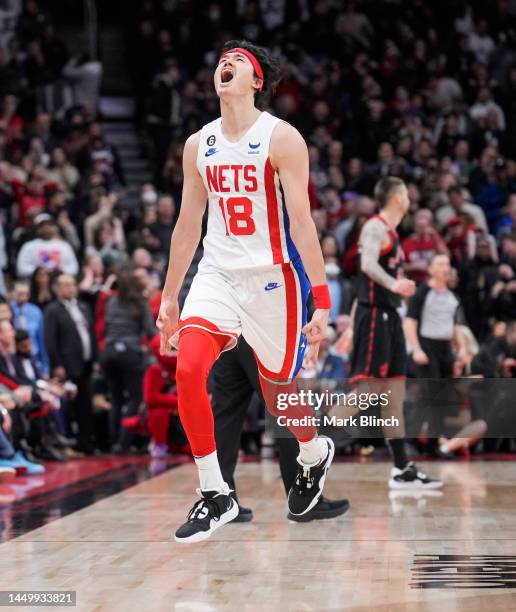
(270, 66)
(129, 290)
(21, 335)
(385, 188)
(455, 189)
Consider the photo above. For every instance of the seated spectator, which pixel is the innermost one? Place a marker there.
(9, 457)
(101, 156)
(108, 241)
(460, 237)
(47, 250)
(35, 402)
(421, 246)
(24, 361)
(340, 290)
(508, 222)
(488, 186)
(361, 207)
(141, 258)
(457, 205)
(160, 396)
(508, 251)
(61, 171)
(160, 232)
(32, 195)
(497, 358)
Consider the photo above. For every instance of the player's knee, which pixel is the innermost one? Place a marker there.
(187, 373)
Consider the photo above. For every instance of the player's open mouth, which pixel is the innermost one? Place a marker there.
(226, 74)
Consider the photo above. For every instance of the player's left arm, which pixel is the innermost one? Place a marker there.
(289, 156)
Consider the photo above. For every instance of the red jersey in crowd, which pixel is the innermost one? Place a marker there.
(420, 251)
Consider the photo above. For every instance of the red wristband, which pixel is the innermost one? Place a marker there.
(322, 297)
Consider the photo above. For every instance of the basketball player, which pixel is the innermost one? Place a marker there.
(379, 350)
(252, 168)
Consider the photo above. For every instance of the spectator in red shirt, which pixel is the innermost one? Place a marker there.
(160, 396)
(32, 195)
(421, 246)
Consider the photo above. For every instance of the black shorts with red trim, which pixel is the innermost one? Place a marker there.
(379, 349)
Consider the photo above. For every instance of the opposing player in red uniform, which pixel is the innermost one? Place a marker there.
(252, 168)
(379, 358)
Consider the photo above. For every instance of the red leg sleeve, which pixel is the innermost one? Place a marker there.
(271, 390)
(197, 351)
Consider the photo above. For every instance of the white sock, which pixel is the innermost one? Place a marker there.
(210, 476)
(313, 451)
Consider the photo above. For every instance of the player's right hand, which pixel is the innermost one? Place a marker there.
(420, 357)
(404, 287)
(315, 331)
(167, 323)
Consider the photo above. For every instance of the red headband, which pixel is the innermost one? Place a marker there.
(255, 63)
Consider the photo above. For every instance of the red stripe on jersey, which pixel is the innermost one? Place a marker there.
(273, 213)
(371, 342)
(292, 328)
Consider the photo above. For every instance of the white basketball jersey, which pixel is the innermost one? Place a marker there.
(247, 218)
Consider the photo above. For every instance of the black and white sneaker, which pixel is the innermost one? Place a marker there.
(308, 485)
(323, 509)
(213, 510)
(412, 478)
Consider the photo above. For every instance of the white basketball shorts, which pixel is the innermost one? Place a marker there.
(267, 306)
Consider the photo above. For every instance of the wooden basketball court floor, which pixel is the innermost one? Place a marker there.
(119, 555)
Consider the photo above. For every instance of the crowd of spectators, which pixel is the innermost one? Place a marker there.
(420, 90)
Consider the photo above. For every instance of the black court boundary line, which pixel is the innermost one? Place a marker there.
(26, 515)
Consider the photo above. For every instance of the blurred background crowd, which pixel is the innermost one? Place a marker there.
(416, 89)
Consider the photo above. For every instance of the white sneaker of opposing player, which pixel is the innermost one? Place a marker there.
(412, 478)
(212, 511)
